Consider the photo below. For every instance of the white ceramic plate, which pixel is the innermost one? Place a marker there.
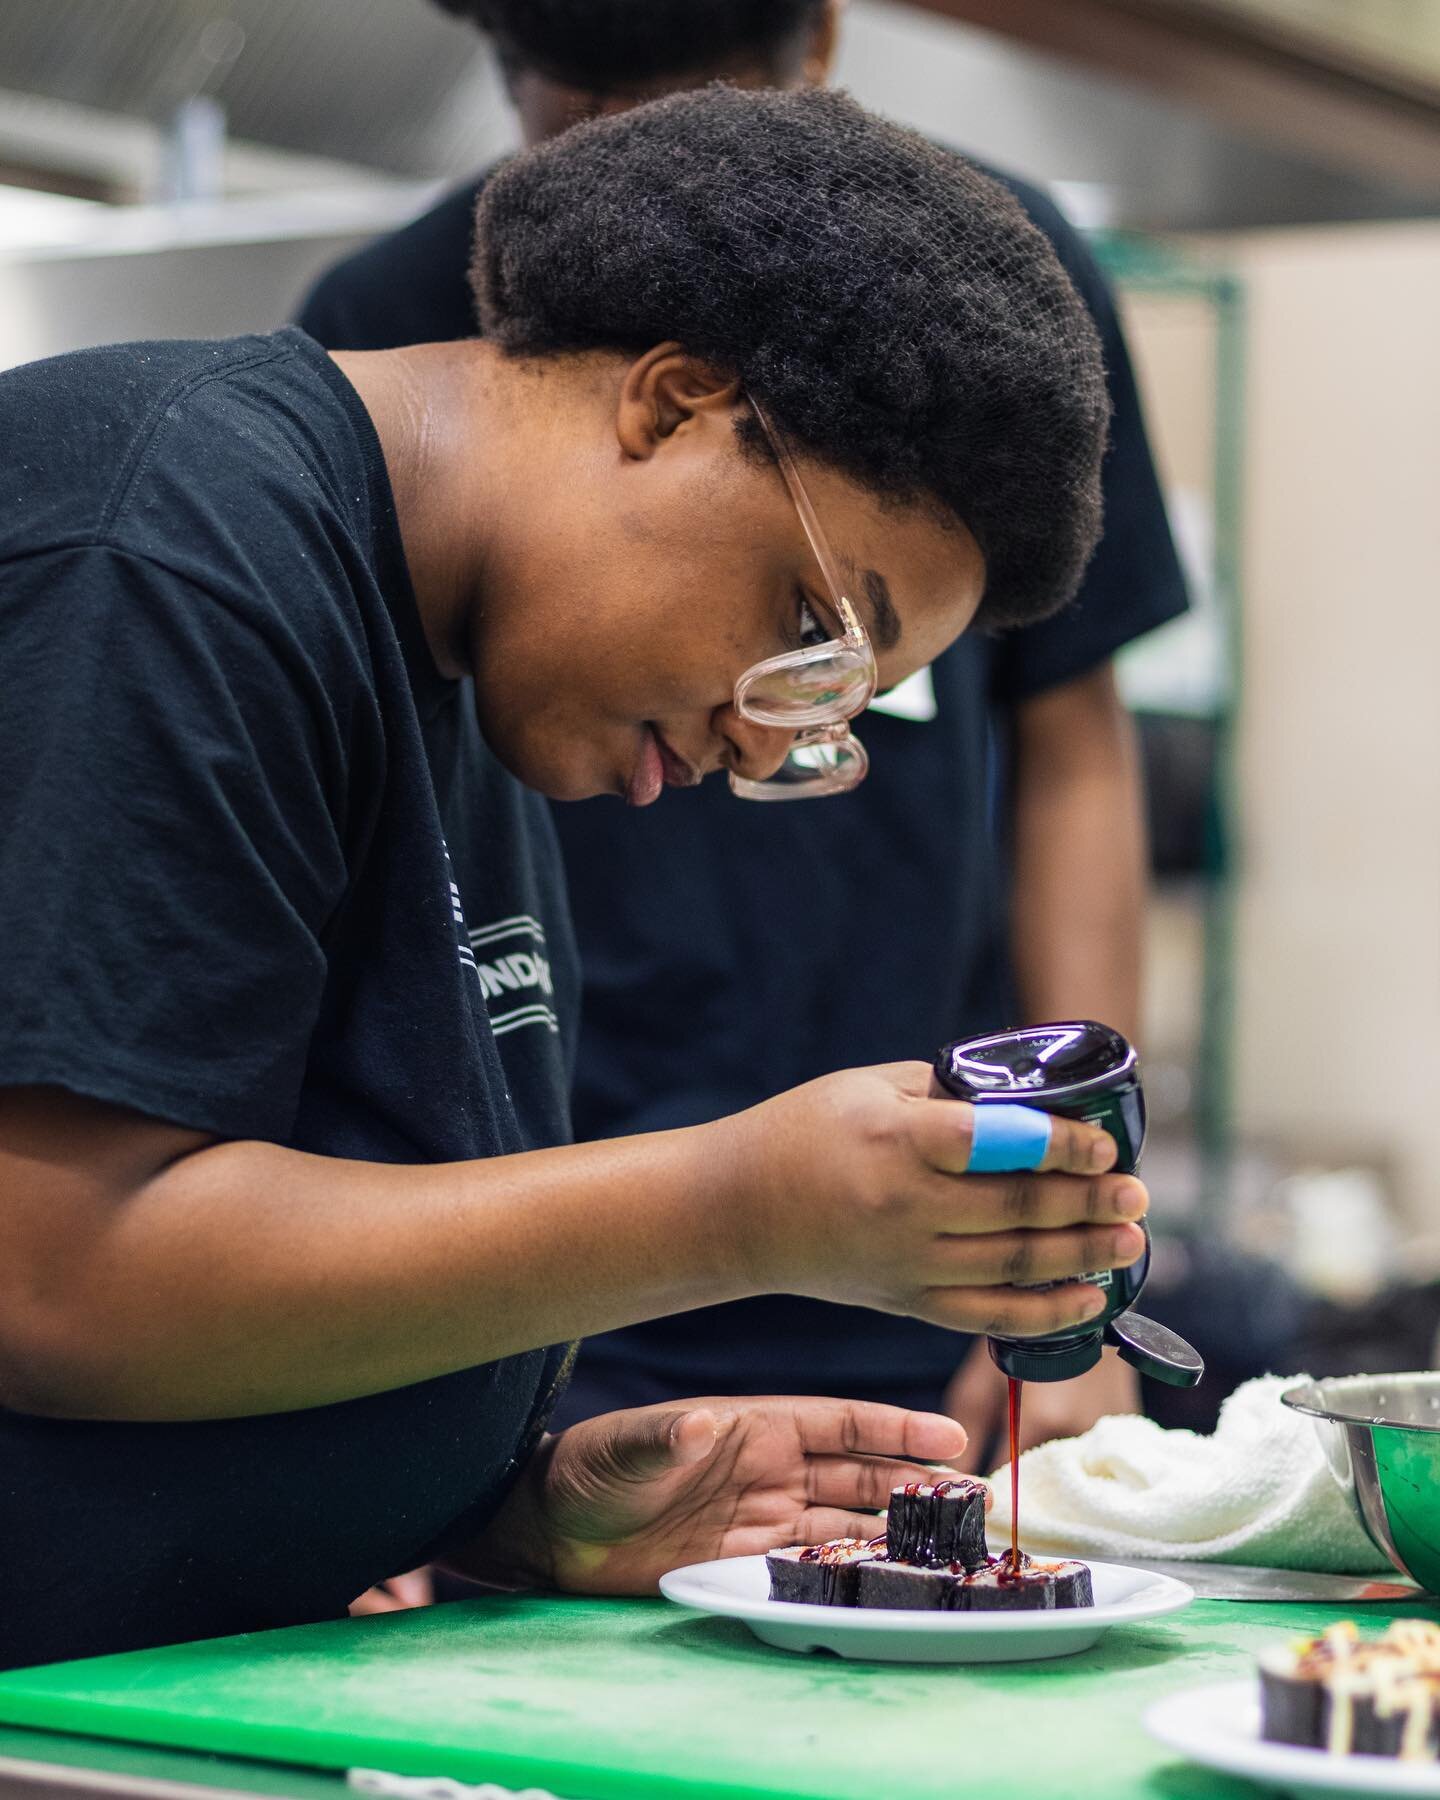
(1219, 1727)
(738, 1587)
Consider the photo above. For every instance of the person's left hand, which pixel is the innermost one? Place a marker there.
(979, 1395)
(609, 1505)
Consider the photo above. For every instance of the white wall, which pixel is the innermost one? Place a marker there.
(1339, 751)
(1340, 920)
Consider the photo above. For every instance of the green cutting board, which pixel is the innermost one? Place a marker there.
(638, 1700)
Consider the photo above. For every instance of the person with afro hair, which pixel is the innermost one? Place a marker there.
(596, 49)
(990, 871)
(771, 407)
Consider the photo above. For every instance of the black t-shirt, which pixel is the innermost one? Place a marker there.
(731, 950)
(229, 773)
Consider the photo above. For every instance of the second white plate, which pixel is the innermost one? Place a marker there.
(1219, 1727)
(738, 1587)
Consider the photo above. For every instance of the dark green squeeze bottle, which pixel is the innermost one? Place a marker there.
(1085, 1071)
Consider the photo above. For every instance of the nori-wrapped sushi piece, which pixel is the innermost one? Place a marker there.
(1377, 1733)
(992, 1588)
(938, 1523)
(909, 1588)
(1073, 1586)
(1359, 1712)
(1351, 1696)
(1035, 1586)
(821, 1574)
(1291, 1704)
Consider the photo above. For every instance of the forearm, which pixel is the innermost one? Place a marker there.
(148, 1274)
(1077, 914)
(244, 1277)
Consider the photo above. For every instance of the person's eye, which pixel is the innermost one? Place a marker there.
(811, 630)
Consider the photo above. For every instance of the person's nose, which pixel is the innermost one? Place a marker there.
(753, 751)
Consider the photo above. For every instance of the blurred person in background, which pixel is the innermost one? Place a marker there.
(991, 870)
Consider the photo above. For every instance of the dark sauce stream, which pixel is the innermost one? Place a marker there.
(1011, 1572)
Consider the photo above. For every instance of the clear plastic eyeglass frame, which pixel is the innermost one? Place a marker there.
(816, 690)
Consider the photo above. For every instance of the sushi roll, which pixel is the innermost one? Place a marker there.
(992, 1588)
(1292, 1698)
(821, 1574)
(1352, 1696)
(938, 1523)
(909, 1588)
(1035, 1586)
(1073, 1586)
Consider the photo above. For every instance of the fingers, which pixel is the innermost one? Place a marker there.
(819, 1524)
(859, 1482)
(943, 1132)
(692, 1437)
(646, 1441)
(969, 1463)
(1017, 1258)
(1032, 1202)
(869, 1428)
(1077, 1148)
(1011, 1312)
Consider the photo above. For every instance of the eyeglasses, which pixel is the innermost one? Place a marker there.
(814, 691)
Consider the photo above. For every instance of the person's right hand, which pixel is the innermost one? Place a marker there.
(853, 1188)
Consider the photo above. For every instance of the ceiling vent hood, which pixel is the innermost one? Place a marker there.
(385, 84)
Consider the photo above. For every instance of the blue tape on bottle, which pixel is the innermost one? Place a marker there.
(1008, 1137)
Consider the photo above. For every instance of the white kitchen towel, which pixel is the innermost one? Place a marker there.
(1257, 1491)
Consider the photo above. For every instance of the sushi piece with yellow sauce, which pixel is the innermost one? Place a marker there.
(1354, 1696)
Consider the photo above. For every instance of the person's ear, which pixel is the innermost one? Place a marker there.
(664, 393)
(824, 43)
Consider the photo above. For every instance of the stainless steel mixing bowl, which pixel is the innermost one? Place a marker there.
(1381, 1435)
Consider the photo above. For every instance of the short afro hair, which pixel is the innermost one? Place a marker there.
(893, 308)
(602, 44)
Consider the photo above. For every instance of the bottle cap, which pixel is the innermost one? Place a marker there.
(1032, 1359)
(1155, 1350)
(1039, 1065)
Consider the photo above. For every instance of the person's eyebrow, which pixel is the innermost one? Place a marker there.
(886, 626)
(884, 622)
